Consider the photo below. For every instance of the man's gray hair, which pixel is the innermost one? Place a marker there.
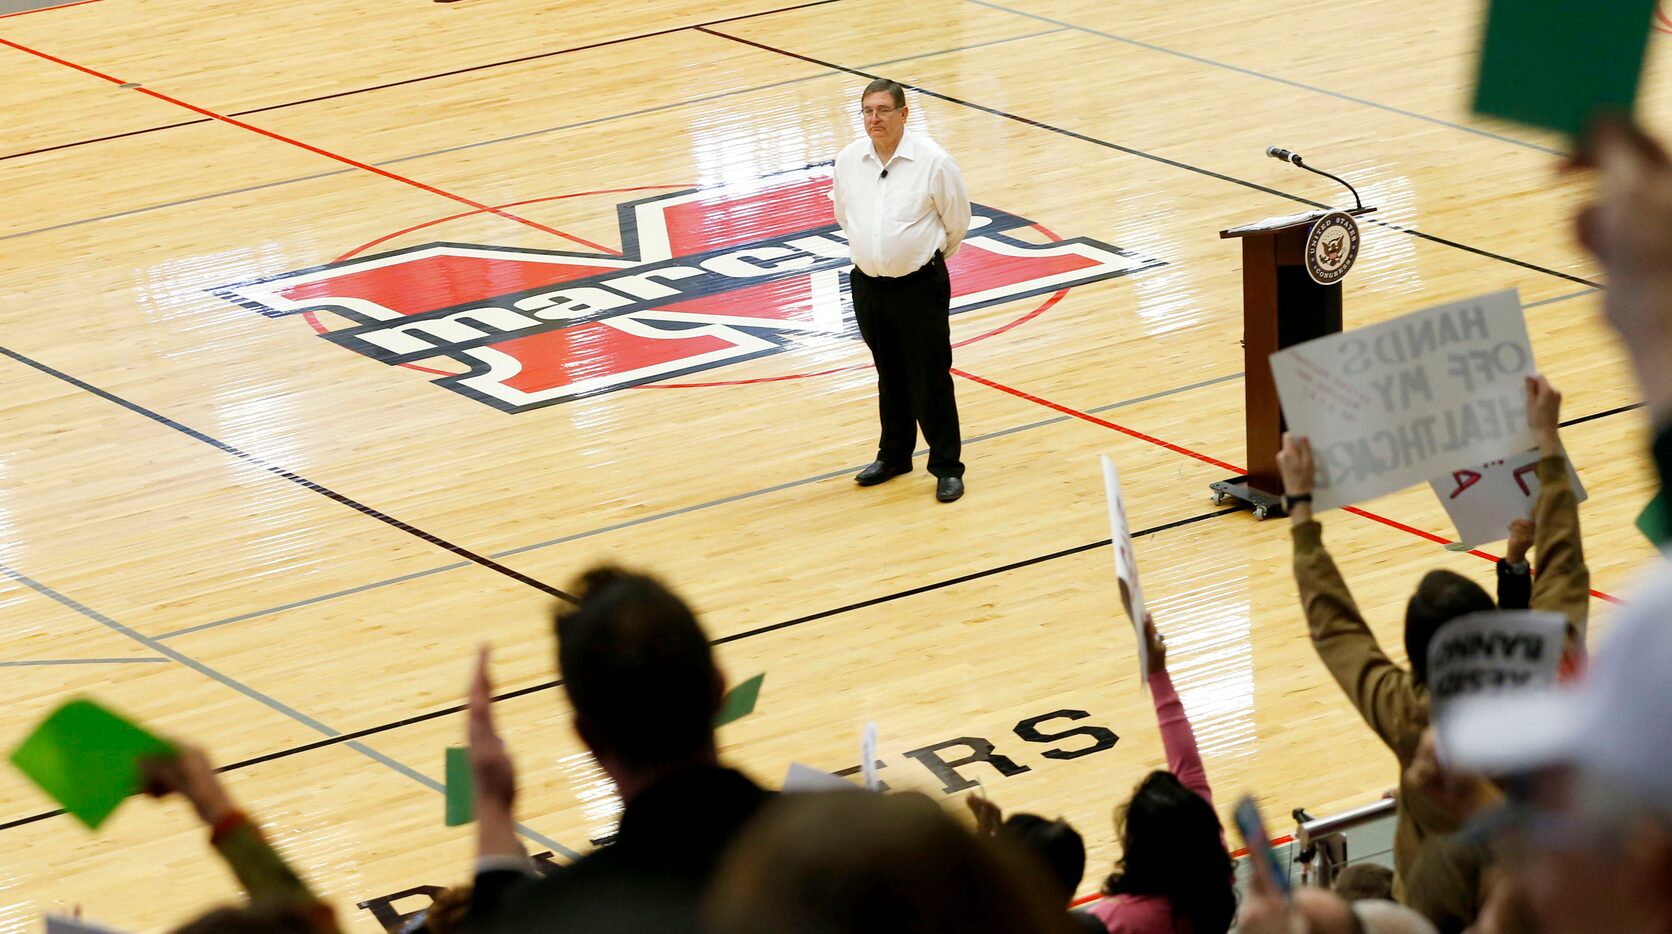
(892, 87)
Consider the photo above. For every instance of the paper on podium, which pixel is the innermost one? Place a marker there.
(1275, 223)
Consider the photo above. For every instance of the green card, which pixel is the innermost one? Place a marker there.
(87, 758)
(461, 787)
(739, 702)
(1554, 63)
(1655, 520)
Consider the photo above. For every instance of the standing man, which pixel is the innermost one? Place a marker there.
(901, 201)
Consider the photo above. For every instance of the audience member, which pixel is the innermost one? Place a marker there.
(1629, 229)
(1394, 700)
(279, 901)
(1055, 844)
(862, 863)
(1450, 876)
(1174, 872)
(1587, 841)
(642, 680)
(1361, 881)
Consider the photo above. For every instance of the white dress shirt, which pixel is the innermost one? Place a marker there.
(895, 224)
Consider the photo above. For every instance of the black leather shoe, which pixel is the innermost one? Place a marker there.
(877, 473)
(949, 489)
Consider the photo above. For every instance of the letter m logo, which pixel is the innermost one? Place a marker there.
(706, 278)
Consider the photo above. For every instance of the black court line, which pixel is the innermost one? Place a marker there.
(1596, 415)
(593, 121)
(289, 475)
(1128, 150)
(736, 637)
(1263, 76)
(440, 74)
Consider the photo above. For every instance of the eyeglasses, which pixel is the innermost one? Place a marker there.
(870, 112)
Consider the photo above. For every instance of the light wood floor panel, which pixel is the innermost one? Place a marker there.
(289, 617)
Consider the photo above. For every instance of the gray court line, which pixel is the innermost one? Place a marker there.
(518, 136)
(680, 511)
(29, 663)
(320, 599)
(171, 654)
(1199, 59)
(1559, 298)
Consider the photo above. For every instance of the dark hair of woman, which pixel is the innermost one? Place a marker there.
(1172, 846)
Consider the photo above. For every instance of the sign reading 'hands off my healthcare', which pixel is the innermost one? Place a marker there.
(1397, 403)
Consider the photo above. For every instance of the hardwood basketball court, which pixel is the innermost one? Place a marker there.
(238, 508)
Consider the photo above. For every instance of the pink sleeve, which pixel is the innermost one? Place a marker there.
(1177, 738)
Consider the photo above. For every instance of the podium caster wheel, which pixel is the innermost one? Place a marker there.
(1219, 498)
(1260, 512)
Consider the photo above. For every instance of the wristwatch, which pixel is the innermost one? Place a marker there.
(1290, 501)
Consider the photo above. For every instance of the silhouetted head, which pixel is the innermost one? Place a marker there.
(1172, 845)
(1055, 842)
(1441, 597)
(266, 918)
(638, 670)
(852, 862)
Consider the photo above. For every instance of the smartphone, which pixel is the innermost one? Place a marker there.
(1254, 836)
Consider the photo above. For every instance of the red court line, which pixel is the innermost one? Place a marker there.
(477, 205)
(45, 9)
(1390, 523)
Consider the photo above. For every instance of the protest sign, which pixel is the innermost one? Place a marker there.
(1495, 652)
(868, 756)
(65, 924)
(1483, 500)
(461, 786)
(806, 778)
(739, 702)
(1558, 63)
(87, 758)
(1126, 563)
(1397, 403)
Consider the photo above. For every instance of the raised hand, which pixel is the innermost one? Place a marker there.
(1520, 540)
(188, 773)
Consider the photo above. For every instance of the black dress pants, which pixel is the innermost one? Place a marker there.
(905, 322)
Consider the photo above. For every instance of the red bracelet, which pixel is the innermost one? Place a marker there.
(229, 822)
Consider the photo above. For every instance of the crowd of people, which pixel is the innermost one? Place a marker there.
(1547, 812)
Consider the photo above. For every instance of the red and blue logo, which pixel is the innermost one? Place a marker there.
(706, 278)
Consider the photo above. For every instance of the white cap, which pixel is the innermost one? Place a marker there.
(1616, 724)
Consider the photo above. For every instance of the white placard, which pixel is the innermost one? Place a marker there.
(64, 924)
(868, 756)
(1496, 652)
(1398, 403)
(805, 778)
(1126, 563)
(1482, 501)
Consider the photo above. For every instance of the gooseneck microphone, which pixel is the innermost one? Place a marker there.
(1293, 158)
(1283, 155)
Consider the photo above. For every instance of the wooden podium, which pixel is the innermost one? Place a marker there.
(1282, 306)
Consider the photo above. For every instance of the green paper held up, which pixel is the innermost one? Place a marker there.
(1655, 521)
(87, 759)
(1557, 63)
(739, 702)
(461, 787)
